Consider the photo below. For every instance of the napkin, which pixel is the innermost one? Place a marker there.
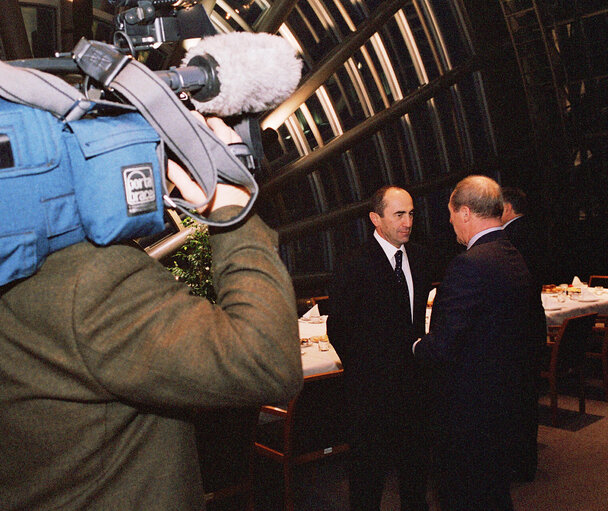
(576, 282)
(313, 311)
(587, 294)
(309, 329)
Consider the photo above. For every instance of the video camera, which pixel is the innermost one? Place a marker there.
(144, 24)
(85, 154)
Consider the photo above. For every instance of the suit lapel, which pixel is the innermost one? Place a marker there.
(383, 274)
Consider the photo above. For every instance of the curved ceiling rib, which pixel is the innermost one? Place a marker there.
(370, 125)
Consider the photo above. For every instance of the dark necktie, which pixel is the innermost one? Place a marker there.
(402, 282)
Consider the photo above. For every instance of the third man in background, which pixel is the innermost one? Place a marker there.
(526, 238)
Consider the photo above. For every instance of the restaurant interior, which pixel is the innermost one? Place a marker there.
(416, 94)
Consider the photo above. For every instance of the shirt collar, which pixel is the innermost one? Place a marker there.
(482, 233)
(389, 248)
(512, 220)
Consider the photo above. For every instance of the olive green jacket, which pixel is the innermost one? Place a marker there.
(103, 354)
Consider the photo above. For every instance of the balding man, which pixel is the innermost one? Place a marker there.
(477, 349)
(378, 309)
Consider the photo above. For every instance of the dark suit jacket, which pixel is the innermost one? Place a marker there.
(477, 339)
(525, 237)
(368, 324)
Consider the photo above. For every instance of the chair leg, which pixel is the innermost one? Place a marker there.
(553, 394)
(581, 391)
(605, 374)
(288, 502)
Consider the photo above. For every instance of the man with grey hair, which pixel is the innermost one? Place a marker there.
(476, 351)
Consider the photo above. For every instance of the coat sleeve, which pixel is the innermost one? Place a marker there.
(146, 339)
(452, 314)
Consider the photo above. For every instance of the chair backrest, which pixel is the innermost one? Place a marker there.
(598, 280)
(318, 414)
(225, 441)
(311, 427)
(573, 339)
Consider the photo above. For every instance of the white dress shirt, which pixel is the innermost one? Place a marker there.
(390, 250)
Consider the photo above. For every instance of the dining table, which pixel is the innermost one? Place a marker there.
(314, 360)
(565, 304)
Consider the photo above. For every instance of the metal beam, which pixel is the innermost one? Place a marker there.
(338, 145)
(82, 16)
(274, 17)
(332, 62)
(170, 244)
(357, 210)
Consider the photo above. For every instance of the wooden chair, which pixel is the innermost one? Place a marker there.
(567, 357)
(598, 280)
(310, 428)
(225, 441)
(598, 347)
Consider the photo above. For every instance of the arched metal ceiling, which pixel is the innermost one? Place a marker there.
(390, 95)
(401, 92)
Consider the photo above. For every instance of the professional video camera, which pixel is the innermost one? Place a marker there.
(143, 25)
(147, 23)
(96, 168)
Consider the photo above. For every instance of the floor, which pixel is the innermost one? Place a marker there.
(572, 475)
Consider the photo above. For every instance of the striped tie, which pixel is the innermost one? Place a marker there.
(401, 279)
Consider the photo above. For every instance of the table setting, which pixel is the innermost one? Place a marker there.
(318, 355)
(567, 300)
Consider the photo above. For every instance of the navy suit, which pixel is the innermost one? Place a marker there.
(477, 350)
(371, 329)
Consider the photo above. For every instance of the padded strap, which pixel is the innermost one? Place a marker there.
(205, 156)
(42, 90)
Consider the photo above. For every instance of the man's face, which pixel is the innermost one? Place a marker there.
(395, 225)
(457, 219)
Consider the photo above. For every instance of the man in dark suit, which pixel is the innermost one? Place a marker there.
(526, 238)
(477, 349)
(377, 313)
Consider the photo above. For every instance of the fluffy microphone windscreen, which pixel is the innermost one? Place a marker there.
(256, 72)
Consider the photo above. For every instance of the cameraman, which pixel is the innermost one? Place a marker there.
(104, 356)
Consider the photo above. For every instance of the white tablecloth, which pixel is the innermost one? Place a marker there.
(556, 312)
(315, 361)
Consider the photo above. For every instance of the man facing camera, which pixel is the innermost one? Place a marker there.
(378, 301)
(478, 353)
(104, 358)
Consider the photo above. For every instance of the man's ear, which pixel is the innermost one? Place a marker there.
(466, 213)
(374, 217)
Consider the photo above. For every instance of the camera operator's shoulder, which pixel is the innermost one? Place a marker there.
(87, 265)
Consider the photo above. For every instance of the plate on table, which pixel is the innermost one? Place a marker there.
(588, 300)
(552, 308)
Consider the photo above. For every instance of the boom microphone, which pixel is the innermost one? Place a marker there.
(256, 72)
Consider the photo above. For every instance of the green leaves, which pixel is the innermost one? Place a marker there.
(192, 263)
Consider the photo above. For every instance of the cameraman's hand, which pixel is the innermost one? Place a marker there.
(225, 195)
